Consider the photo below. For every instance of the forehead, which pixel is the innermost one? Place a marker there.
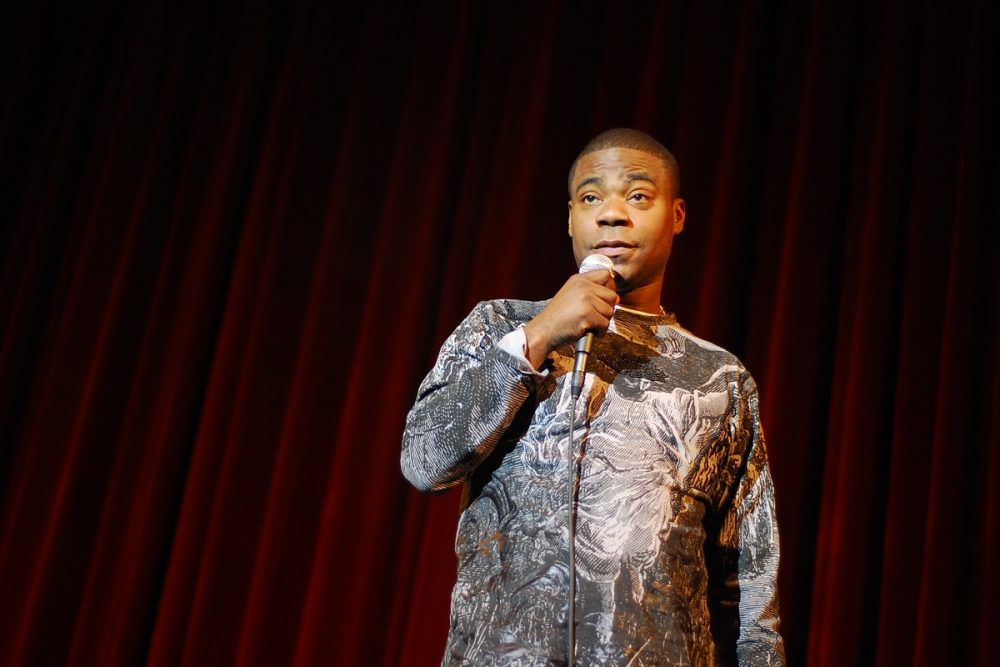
(618, 163)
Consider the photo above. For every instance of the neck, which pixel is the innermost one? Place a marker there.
(645, 299)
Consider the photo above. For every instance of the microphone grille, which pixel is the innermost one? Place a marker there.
(596, 262)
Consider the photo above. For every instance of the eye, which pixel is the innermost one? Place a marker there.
(589, 199)
(639, 197)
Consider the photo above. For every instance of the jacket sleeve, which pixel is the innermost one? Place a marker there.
(748, 539)
(466, 403)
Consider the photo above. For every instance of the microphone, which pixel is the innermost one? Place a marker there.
(590, 263)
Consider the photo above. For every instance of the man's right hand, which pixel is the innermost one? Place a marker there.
(586, 302)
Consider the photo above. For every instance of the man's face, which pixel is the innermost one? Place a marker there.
(623, 206)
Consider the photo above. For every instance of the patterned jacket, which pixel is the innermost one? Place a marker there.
(676, 542)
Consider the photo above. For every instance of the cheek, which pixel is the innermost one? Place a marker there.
(658, 249)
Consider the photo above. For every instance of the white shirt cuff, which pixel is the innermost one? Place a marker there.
(516, 345)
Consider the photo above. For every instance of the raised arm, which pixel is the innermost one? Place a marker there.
(466, 403)
(475, 390)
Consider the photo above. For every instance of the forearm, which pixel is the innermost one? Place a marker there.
(468, 401)
(455, 425)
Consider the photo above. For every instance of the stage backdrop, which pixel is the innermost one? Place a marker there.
(234, 237)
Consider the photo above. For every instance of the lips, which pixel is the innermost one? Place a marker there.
(614, 248)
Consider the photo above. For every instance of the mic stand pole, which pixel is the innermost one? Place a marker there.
(574, 481)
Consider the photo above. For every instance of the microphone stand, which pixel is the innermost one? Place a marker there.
(576, 385)
(592, 262)
(571, 634)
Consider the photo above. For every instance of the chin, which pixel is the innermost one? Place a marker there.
(623, 272)
(622, 283)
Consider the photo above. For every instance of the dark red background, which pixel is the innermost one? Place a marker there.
(235, 235)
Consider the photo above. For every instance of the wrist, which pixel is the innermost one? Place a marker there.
(536, 346)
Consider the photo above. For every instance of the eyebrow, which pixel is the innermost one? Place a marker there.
(630, 178)
(639, 176)
(593, 180)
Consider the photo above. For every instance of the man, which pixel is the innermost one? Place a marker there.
(676, 541)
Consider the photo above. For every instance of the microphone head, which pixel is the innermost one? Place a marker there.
(596, 262)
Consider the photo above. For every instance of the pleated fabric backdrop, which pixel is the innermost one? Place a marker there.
(235, 235)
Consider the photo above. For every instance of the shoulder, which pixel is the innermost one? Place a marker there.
(503, 315)
(714, 356)
(489, 321)
(517, 311)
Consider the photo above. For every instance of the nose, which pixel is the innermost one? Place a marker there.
(613, 213)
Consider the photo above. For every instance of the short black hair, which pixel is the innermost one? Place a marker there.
(626, 137)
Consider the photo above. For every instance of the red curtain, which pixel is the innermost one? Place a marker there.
(235, 236)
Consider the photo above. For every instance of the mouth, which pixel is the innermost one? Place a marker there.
(614, 248)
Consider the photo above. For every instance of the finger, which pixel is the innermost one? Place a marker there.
(603, 307)
(600, 325)
(606, 294)
(592, 323)
(600, 277)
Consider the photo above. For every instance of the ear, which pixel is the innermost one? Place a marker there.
(569, 219)
(680, 214)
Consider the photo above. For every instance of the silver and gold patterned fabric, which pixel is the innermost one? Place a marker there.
(677, 543)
